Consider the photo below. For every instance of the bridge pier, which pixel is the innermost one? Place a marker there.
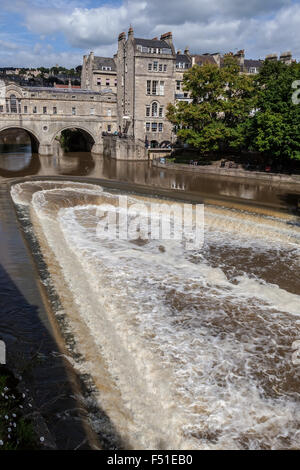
(46, 149)
(97, 149)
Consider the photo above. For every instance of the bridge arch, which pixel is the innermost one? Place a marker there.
(34, 139)
(88, 136)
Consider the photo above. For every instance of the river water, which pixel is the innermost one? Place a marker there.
(187, 349)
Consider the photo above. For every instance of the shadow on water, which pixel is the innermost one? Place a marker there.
(292, 200)
(73, 164)
(19, 161)
(33, 353)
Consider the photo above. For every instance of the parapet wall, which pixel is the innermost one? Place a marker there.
(231, 172)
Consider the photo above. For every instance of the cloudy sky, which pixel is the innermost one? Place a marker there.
(49, 32)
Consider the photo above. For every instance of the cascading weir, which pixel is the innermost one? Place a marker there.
(189, 349)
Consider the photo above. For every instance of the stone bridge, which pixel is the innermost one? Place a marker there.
(45, 112)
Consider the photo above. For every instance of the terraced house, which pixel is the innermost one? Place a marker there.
(146, 75)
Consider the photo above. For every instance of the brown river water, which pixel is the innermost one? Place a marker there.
(171, 348)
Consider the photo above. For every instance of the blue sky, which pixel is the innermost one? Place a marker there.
(48, 32)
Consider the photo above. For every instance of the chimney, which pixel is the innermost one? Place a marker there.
(271, 57)
(240, 55)
(187, 51)
(168, 38)
(286, 57)
(122, 36)
(178, 52)
(130, 31)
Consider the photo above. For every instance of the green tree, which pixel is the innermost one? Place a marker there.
(222, 100)
(275, 131)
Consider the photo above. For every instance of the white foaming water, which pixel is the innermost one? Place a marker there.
(199, 351)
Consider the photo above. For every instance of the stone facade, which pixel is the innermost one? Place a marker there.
(46, 112)
(146, 84)
(98, 73)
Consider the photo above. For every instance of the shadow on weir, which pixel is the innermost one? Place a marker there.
(33, 352)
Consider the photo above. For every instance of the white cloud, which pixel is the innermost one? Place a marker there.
(258, 26)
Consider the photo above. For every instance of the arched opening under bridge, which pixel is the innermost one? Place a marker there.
(75, 140)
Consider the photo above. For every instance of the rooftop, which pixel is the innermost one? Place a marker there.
(61, 90)
(104, 63)
(155, 43)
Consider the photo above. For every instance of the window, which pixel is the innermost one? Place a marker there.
(54, 110)
(109, 112)
(98, 81)
(160, 67)
(1, 108)
(161, 111)
(154, 109)
(109, 127)
(25, 109)
(154, 126)
(160, 127)
(178, 85)
(34, 110)
(92, 111)
(148, 87)
(252, 70)
(148, 126)
(107, 82)
(73, 97)
(73, 111)
(147, 111)
(165, 68)
(155, 64)
(44, 110)
(154, 87)
(149, 67)
(116, 82)
(162, 88)
(13, 104)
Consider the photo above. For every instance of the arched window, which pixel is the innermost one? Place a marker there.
(154, 109)
(13, 104)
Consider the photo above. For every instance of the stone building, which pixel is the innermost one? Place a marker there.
(98, 73)
(147, 75)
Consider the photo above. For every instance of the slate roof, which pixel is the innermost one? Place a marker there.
(252, 63)
(155, 43)
(204, 59)
(60, 90)
(183, 58)
(100, 62)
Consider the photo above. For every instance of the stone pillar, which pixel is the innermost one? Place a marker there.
(46, 149)
(97, 149)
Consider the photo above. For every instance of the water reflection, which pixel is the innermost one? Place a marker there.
(73, 163)
(18, 160)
